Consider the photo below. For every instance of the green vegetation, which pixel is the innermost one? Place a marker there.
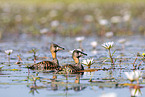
(67, 1)
(71, 17)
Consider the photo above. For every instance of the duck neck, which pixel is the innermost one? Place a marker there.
(77, 61)
(54, 57)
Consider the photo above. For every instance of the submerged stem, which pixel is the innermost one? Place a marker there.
(34, 58)
(9, 59)
(112, 62)
(134, 63)
(80, 45)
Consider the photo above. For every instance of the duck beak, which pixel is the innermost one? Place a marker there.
(82, 53)
(60, 48)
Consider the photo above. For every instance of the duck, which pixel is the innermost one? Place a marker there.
(73, 68)
(49, 65)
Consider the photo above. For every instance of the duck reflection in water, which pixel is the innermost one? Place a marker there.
(76, 86)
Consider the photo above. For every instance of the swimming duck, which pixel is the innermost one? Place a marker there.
(49, 64)
(73, 68)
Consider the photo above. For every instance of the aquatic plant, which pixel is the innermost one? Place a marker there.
(34, 87)
(94, 44)
(34, 79)
(143, 54)
(8, 52)
(44, 30)
(103, 22)
(1, 68)
(80, 39)
(55, 18)
(116, 19)
(88, 62)
(126, 16)
(134, 75)
(122, 41)
(34, 50)
(108, 46)
(135, 90)
(54, 23)
(109, 34)
(19, 59)
(143, 57)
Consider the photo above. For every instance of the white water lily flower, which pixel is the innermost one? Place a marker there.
(116, 19)
(109, 95)
(79, 39)
(44, 30)
(88, 18)
(88, 62)
(94, 44)
(122, 41)
(135, 92)
(103, 22)
(8, 52)
(109, 34)
(54, 23)
(132, 76)
(53, 13)
(126, 17)
(108, 45)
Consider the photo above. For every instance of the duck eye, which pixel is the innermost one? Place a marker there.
(80, 53)
(57, 48)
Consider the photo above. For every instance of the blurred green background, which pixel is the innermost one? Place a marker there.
(71, 17)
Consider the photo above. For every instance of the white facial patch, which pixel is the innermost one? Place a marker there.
(57, 48)
(80, 54)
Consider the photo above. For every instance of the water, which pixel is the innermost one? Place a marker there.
(16, 80)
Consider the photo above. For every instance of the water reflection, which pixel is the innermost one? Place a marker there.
(94, 52)
(33, 89)
(56, 85)
(66, 85)
(135, 91)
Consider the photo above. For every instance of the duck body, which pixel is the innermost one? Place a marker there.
(49, 65)
(70, 69)
(73, 68)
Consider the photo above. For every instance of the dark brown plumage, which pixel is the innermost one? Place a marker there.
(45, 65)
(49, 64)
(73, 68)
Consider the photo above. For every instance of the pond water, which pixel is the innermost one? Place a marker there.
(16, 80)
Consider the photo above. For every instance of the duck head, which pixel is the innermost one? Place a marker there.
(54, 48)
(77, 54)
